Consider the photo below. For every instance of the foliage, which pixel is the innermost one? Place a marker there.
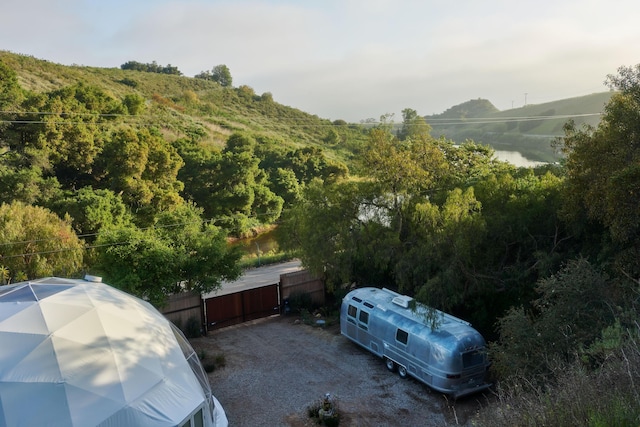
(412, 125)
(27, 184)
(607, 396)
(533, 339)
(325, 411)
(602, 163)
(143, 167)
(446, 224)
(179, 253)
(153, 67)
(11, 93)
(316, 228)
(91, 210)
(219, 74)
(36, 243)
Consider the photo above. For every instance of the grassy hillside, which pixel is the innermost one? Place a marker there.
(528, 130)
(183, 106)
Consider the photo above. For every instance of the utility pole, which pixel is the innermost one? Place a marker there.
(525, 98)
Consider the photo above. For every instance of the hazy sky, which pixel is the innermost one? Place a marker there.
(348, 59)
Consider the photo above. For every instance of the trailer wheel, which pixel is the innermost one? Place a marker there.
(391, 365)
(402, 371)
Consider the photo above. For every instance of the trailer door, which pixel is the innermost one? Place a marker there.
(364, 337)
(352, 312)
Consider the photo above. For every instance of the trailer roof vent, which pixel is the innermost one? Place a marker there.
(402, 301)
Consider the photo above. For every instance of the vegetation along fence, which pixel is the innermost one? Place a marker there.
(242, 306)
(302, 283)
(183, 308)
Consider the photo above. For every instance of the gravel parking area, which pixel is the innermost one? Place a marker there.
(276, 368)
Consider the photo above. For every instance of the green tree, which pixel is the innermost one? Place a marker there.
(11, 94)
(181, 252)
(222, 75)
(402, 170)
(603, 169)
(206, 259)
(533, 340)
(36, 243)
(444, 243)
(284, 183)
(318, 228)
(92, 210)
(138, 262)
(219, 73)
(412, 125)
(21, 182)
(142, 166)
(134, 103)
(230, 185)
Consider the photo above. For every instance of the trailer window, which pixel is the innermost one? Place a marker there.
(352, 310)
(364, 317)
(402, 336)
(472, 358)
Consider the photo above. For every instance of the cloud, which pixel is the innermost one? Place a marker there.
(348, 59)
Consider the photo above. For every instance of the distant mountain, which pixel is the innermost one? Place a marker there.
(528, 130)
(470, 109)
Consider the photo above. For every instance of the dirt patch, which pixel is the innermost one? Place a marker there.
(276, 368)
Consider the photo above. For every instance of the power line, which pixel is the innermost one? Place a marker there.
(295, 121)
(301, 122)
(489, 120)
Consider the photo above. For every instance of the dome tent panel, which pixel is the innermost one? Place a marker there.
(39, 366)
(27, 320)
(35, 404)
(60, 315)
(21, 346)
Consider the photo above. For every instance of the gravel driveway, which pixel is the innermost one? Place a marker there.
(277, 367)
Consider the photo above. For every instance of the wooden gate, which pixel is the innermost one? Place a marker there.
(238, 307)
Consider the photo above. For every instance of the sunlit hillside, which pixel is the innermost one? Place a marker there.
(184, 106)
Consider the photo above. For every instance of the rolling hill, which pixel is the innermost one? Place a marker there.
(183, 106)
(528, 130)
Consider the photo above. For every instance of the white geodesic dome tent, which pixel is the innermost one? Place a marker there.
(80, 353)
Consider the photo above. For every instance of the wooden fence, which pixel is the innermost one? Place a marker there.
(302, 282)
(182, 307)
(242, 306)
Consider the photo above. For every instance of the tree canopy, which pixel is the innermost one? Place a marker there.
(219, 74)
(36, 243)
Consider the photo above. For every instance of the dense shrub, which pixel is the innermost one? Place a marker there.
(605, 396)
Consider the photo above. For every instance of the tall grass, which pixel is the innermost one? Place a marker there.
(606, 396)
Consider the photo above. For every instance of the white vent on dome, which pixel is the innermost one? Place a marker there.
(94, 279)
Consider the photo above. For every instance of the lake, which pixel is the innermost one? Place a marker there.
(516, 158)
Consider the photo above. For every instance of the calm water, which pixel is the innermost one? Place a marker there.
(263, 243)
(516, 159)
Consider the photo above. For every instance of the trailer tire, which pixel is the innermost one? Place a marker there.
(402, 371)
(391, 365)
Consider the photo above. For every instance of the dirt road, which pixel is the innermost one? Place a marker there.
(276, 368)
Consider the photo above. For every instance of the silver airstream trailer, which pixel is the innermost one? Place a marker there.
(450, 358)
